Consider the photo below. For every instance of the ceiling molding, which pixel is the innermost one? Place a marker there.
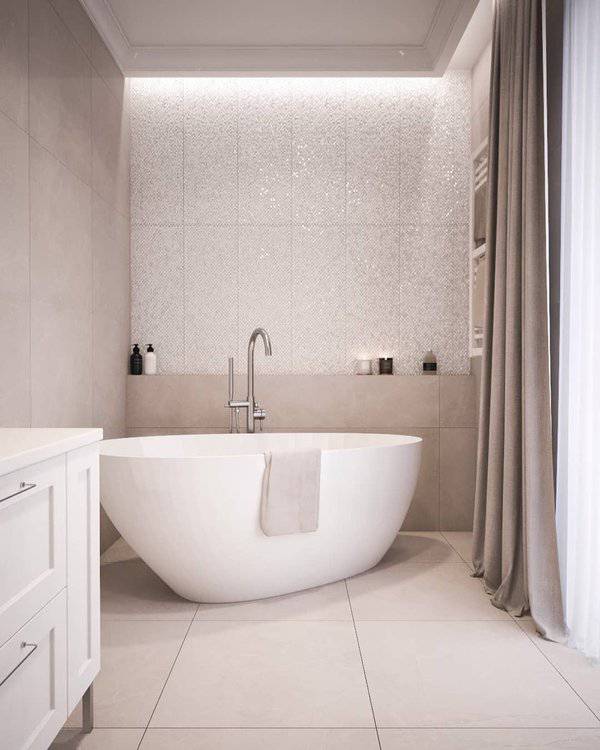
(428, 59)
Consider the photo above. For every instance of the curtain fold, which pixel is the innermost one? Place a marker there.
(514, 547)
(578, 476)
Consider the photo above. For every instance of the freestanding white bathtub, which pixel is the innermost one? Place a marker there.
(190, 506)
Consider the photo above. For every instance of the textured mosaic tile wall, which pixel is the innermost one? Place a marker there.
(333, 212)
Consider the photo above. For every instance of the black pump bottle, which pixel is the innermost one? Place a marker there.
(135, 361)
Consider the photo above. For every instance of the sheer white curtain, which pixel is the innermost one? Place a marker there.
(578, 480)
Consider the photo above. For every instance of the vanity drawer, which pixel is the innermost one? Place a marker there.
(33, 680)
(32, 541)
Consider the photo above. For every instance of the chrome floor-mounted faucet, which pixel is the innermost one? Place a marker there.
(253, 410)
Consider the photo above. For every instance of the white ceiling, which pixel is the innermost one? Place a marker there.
(282, 37)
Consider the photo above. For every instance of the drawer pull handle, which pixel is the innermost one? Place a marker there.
(23, 487)
(24, 644)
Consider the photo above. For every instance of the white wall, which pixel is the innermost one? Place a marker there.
(334, 212)
(480, 97)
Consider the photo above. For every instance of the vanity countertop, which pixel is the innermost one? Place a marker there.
(23, 446)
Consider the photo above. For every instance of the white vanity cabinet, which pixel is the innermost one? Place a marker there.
(49, 580)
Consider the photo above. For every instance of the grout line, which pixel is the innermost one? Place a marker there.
(292, 95)
(238, 224)
(346, 363)
(488, 728)
(93, 305)
(363, 664)
(88, 56)
(455, 728)
(270, 728)
(167, 678)
(556, 669)
(183, 232)
(86, 183)
(29, 207)
(467, 562)
(439, 431)
(293, 619)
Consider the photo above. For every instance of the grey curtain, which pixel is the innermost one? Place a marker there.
(514, 547)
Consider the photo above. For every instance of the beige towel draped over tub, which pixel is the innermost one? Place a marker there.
(290, 492)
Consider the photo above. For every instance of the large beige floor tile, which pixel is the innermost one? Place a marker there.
(99, 739)
(579, 672)
(490, 739)
(260, 739)
(131, 591)
(322, 603)
(464, 674)
(266, 674)
(462, 542)
(136, 659)
(420, 547)
(420, 592)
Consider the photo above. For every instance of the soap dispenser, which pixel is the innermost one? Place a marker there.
(150, 361)
(135, 361)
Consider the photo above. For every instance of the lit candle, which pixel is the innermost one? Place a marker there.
(363, 367)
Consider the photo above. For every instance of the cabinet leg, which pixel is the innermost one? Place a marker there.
(87, 705)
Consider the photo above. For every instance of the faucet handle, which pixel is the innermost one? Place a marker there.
(259, 412)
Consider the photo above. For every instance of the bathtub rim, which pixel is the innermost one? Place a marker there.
(409, 440)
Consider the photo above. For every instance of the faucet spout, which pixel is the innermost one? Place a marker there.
(260, 332)
(253, 411)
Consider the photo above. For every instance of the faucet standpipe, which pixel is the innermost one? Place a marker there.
(253, 409)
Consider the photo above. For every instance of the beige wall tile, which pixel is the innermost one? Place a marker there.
(458, 455)
(391, 404)
(105, 65)
(61, 294)
(76, 20)
(13, 60)
(59, 90)
(304, 403)
(110, 146)
(150, 431)
(457, 401)
(293, 402)
(424, 512)
(15, 396)
(177, 401)
(110, 243)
